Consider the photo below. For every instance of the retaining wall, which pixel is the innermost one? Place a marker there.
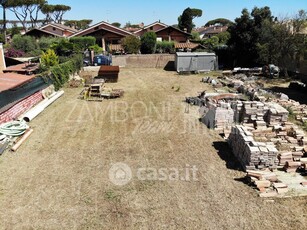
(145, 61)
(21, 107)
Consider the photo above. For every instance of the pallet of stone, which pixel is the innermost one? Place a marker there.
(297, 155)
(251, 154)
(285, 157)
(291, 140)
(292, 166)
(260, 124)
(276, 113)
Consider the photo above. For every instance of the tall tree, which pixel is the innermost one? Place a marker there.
(20, 9)
(300, 21)
(222, 21)
(241, 40)
(79, 24)
(24, 9)
(117, 24)
(59, 11)
(185, 21)
(34, 10)
(148, 42)
(245, 35)
(3, 4)
(54, 12)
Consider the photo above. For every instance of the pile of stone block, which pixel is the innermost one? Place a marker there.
(250, 153)
(299, 110)
(266, 182)
(218, 116)
(252, 111)
(276, 114)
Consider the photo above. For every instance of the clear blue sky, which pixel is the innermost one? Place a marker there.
(148, 11)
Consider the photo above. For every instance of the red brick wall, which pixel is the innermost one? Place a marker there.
(21, 107)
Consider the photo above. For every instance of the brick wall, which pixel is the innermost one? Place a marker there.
(21, 107)
(144, 61)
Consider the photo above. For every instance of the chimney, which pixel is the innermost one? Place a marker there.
(2, 59)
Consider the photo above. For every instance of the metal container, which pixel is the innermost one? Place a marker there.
(195, 62)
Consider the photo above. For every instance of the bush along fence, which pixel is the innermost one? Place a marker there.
(59, 74)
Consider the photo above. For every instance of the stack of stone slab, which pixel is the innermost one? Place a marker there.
(276, 114)
(299, 110)
(253, 111)
(252, 154)
(218, 116)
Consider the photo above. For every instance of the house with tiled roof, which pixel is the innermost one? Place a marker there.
(59, 29)
(165, 32)
(171, 33)
(156, 26)
(209, 31)
(52, 30)
(105, 33)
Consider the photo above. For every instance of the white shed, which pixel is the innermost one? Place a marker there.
(195, 62)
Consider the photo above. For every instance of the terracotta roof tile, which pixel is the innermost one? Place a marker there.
(187, 45)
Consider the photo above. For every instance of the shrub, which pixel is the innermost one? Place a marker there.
(59, 74)
(44, 43)
(165, 47)
(82, 43)
(25, 43)
(148, 43)
(49, 59)
(131, 44)
(62, 47)
(11, 52)
(97, 49)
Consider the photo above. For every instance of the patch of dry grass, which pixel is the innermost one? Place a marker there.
(59, 178)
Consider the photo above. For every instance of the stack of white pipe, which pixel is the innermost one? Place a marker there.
(32, 113)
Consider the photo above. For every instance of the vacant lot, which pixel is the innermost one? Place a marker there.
(59, 178)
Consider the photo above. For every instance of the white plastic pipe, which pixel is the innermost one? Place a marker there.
(40, 107)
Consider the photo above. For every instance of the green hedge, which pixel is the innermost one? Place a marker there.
(82, 43)
(59, 74)
(165, 47)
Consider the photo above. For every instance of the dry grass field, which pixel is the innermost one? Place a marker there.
(59, 178)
